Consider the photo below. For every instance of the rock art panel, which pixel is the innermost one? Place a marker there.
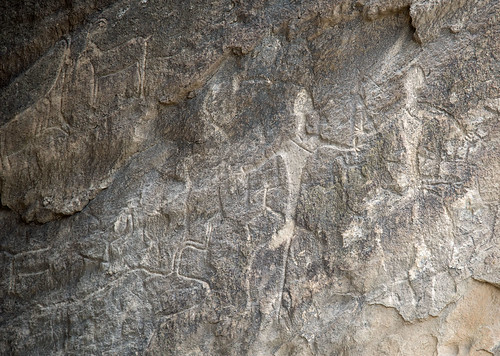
(252, 178)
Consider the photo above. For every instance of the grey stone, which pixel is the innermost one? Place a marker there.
(250, 178)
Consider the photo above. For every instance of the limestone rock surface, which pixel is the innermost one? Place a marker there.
(226, 177)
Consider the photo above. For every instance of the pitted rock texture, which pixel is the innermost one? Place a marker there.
(250, 178)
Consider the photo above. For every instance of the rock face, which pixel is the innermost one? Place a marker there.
(258, 177)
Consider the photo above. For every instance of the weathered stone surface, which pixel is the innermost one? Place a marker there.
(259, 178)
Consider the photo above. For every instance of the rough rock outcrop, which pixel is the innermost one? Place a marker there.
(250, 177)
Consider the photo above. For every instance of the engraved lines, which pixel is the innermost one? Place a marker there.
(294, 153)
(24, 265)
(188, 243)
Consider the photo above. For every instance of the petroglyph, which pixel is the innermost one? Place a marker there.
(265, 177)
